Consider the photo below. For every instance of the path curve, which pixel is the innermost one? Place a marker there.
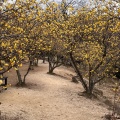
(49, 97)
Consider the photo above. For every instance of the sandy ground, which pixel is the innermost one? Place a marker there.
(48, 97)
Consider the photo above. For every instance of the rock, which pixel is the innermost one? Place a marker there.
(74, 79)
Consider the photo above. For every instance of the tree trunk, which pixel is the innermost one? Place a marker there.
(36, 62)
(51, 68)
(51, 71)
(78, 73)
(90, 90)
(50, 65)
(91, 84)
(19, 77)
(43, 59)
(28, 70)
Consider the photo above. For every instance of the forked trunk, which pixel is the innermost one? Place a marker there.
(28, 70)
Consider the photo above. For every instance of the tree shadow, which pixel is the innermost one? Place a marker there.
(109, 103)
(6, 117)
(54, 74)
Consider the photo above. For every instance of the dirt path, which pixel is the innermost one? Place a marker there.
(49, 97)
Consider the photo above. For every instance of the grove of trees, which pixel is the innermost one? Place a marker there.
(88, 37)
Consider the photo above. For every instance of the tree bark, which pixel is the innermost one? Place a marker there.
(79, 73)
(19, 77)
(28, 70)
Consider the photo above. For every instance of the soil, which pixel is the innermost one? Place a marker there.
(48, 97)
